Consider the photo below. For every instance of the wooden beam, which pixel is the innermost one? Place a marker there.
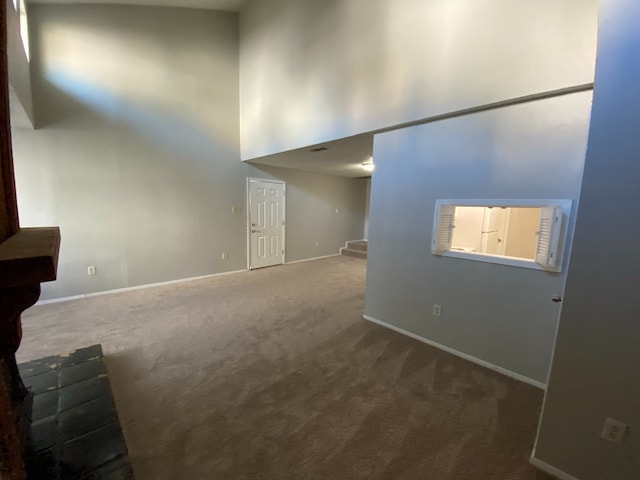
(9, 223)
(29, 257)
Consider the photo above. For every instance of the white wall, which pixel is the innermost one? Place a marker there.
(313, 71)
(522, 240)
(595, 372)
(499, 314)
(468, 232)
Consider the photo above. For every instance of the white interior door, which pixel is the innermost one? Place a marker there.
(266, 223)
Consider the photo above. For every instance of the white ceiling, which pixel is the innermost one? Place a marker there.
(227, 5)
(342, 157)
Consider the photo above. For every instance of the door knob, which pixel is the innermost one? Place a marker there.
(255, 231)
(556, 299)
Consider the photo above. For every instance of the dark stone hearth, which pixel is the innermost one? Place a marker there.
(75, 433)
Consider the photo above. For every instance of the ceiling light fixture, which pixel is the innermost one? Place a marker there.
(368, 165)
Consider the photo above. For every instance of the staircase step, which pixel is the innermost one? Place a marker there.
(353, 253)
(358, 245)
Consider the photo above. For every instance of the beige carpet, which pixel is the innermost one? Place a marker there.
(273, 374)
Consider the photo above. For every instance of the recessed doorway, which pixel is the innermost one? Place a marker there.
(266, 223)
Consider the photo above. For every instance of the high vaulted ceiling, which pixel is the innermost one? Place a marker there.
(343, 157)
(227, 5)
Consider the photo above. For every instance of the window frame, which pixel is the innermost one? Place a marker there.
(564, 204)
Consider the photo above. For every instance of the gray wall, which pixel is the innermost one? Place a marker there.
(366, 209)
(499, 314)
(323, 211)
(137, 155)
(315, 70)
(595, 372)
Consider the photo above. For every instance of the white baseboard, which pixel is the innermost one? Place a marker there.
(159, 284)
(482, 363)
(359, 240)
(553, 471)
(314, 258)
(137, 287)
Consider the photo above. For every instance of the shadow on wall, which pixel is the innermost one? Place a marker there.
(178, 134)
(170, 74)
(137, 152)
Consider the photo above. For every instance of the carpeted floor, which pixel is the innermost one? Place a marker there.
(273, 374)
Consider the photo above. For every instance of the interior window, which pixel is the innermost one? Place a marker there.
(506, 231)
(519, 233)
(24, 25)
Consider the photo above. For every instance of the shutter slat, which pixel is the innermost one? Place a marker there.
(443, 226)
(549, 237)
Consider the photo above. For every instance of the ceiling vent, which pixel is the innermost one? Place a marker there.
(318, 149)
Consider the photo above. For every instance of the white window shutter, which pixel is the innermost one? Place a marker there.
(443, 229)
(547, 251)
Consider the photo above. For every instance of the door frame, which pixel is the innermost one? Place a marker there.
(284, 216)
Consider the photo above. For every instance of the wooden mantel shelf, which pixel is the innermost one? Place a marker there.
(29, 257)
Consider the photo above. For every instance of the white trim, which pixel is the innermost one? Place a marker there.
(284, 217)
(136, 287)
(564, 204)
(553, 471)
(497, 259)
(544, 400)
(247, 233)
(465, 356)
(314, 258)
(284, 221)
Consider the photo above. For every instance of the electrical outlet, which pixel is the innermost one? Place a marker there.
(437, 310)
(614, 431)
(236, 210)
(224, 256)
(317, 244)
(91, 270)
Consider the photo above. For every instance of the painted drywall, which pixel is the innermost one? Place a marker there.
(323, 211)
(521, 233)
(468, 231)
(136, 157)
(500, 314)
(366, 208)
(595, 367)
(313, 71)
(19, 75)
